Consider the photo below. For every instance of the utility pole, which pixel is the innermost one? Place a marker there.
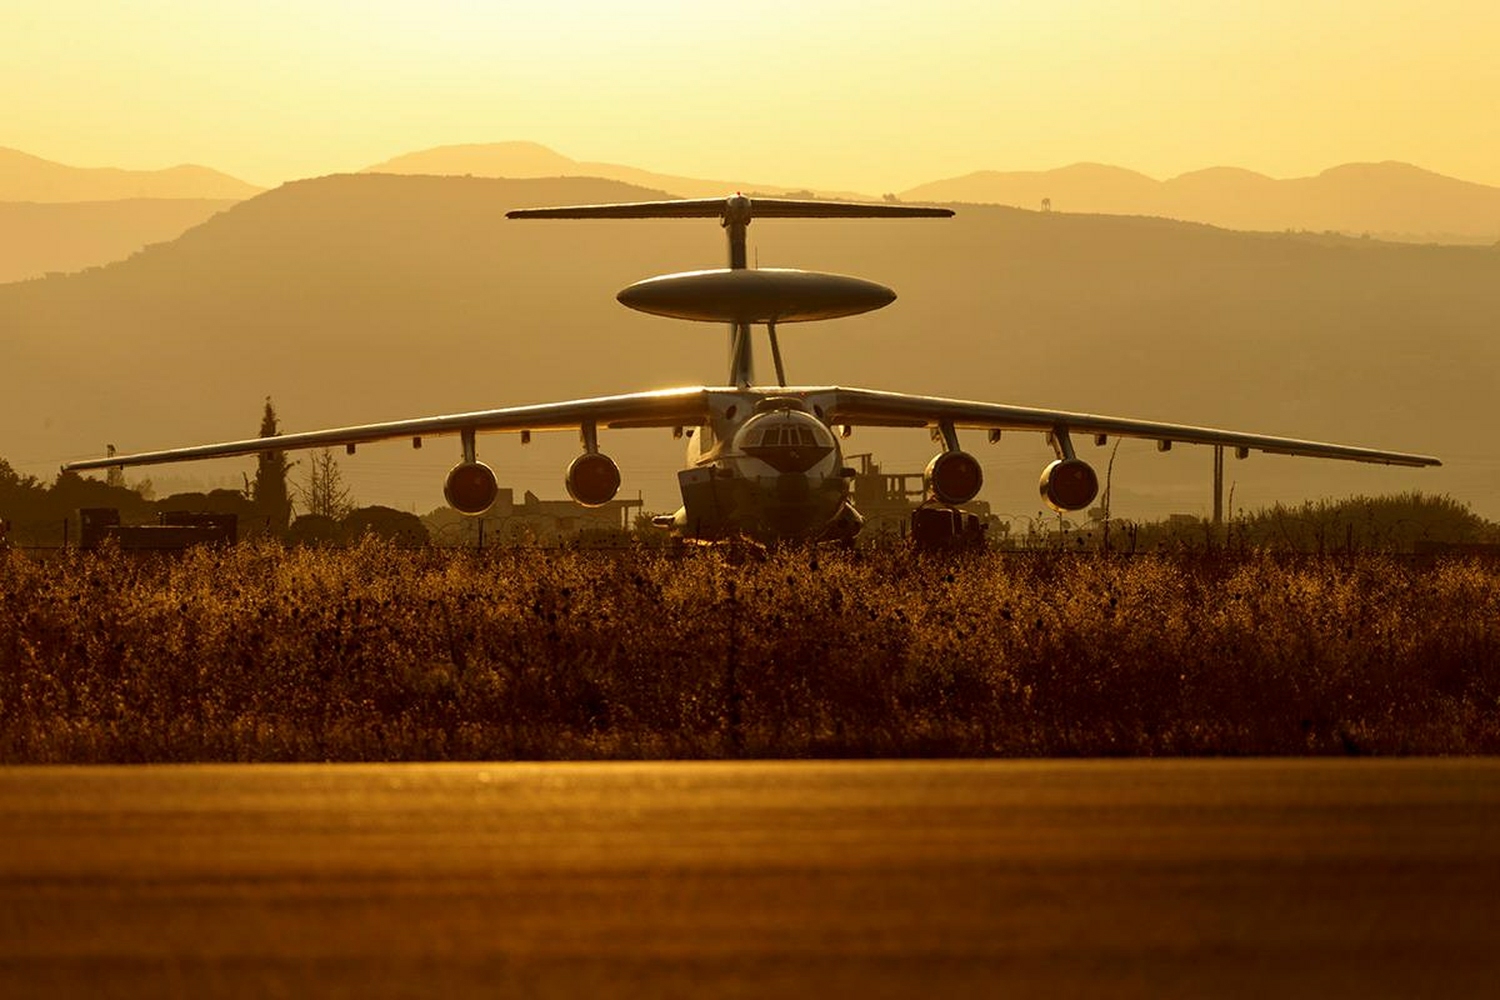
(115, 474)
(1218, 485)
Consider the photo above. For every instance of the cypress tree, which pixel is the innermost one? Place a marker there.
(270, 478)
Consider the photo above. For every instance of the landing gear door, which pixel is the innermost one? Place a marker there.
(705, 499)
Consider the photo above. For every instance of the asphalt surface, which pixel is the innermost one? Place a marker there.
(1132, 878)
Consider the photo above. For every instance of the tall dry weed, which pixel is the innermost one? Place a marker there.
(258, 652)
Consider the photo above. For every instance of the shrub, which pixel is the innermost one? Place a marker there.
(261, 652)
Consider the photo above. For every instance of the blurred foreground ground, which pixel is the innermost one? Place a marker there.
(1122, 878)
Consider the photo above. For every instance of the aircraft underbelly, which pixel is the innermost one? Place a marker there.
(791, 505)
(718, 503)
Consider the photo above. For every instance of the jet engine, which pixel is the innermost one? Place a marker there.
(954, 477)
(1069, 484)
(470, 488)
(593, 479)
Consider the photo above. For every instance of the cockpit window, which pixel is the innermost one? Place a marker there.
(782, 436)
(790, 444)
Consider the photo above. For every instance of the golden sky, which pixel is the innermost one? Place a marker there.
(829, 93)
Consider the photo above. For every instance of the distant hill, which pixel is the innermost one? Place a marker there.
(61, 218)
(1387, 200)
(1082, 187)
(368, 297)
(531, 160)
(24, 177)
(70, 236)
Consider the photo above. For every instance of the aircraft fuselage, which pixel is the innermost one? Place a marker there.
(766, 466)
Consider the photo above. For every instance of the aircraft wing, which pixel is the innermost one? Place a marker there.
(664, 408)
(870, 407)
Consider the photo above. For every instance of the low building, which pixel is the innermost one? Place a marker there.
(173, 529)
(533, 521)
(886, 500)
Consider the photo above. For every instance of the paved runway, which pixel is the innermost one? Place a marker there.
(1133, 878)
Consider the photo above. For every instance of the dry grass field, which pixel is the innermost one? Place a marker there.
(264, 653)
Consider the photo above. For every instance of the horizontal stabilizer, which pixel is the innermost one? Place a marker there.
(782, 208)
(735, 207)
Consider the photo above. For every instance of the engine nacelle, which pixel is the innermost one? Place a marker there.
(1069, 484)
(470, 488)
(593, 479)
(954, 477)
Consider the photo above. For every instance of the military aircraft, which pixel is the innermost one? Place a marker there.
(764, 461)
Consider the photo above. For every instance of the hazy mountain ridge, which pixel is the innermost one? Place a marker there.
(367, 297)
(1387, 200)
(59, 218)
(24, 177)
(530, 160)
(42, 237)
(1390, 200)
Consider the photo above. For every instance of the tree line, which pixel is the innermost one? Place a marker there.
(40, 514)
(35, 513)
(1401, 522)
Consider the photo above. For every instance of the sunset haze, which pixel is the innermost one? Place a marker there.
(841, 95)
(1282, 221)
